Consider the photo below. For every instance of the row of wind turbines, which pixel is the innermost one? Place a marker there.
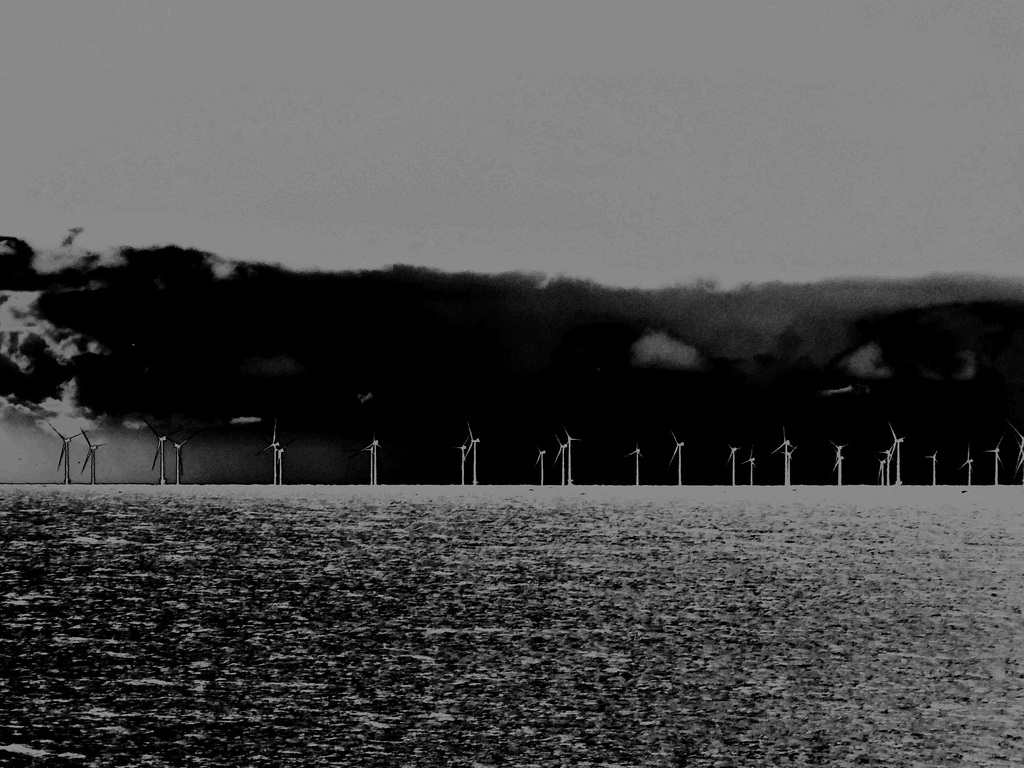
(470, 447)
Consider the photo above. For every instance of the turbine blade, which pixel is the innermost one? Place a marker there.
(63, 448)
(155, 457)
(85, 462)
(151, 428)
(86, 438)
(55, 430)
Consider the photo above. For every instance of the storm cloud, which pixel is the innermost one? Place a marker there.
(185, 336)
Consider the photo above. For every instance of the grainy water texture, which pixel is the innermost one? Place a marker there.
(511, 627)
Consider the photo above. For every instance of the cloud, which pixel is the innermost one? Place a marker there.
(866, 362)
(279, 365)
(238, 420)
(659, 349)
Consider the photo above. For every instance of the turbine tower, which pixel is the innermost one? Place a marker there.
(997, 461)
(473, 441)
(91, 458)
(732, 460)
(561, 453)
(273, 445)
(372, 448)
(638, 455)
(569, 441)
(888, 453)
(279, 458)
(540, 463)
(464, 450)
(787, 449)
(969, 464)
(935, 460)
(896, 444)
(65, 454)
(179, 466)
(677, 452)
(750, 461)
(161, 439)
(839, 462)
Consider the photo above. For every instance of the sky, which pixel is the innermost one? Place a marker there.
(624, 219)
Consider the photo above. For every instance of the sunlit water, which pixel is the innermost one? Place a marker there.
(511, 627)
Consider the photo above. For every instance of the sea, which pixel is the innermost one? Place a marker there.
(500, 626)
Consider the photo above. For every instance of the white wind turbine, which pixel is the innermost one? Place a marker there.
(159, 455)
(562, 452)
(750, 461)
(91, 458)
(179, 466)
(279, 457)
(473, 441)
(1020, 452)
(569, 439)
(372, 448)
(888, 463)
(969, 464)
(839, 462)
(65, 453)
(896, 444)
(464, 451)
(273, 445)
(997, 460)
(732, 460)
(935, 460)
(638, 455)
(882, 478)
(787, 449)
(540, 463)
(677, 452)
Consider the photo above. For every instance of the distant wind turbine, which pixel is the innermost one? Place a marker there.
(839, 462)
(732, 460)
(996, 461)
(935, 460)
(638, 455)
(562, 452)
(464, 450)
(1020, 452)
(969, 464)
(91, 458)
(787, 449)
(750, 461)
(473, 442)
(372, 448)
(677, 452)
(279, 457)
(897, 442)
(540, 463)
(159, 455)
(882, 471)
(569, 440)
(273, 445)
(179, 466)
(65, 453)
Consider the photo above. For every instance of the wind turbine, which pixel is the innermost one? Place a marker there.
(888, 453)
(372, 448)
(997, 460)
(279, 458)
(274, 444)
(473, 441)
(561, 453)
(882, 479)
(750, 461)
(677, 452)
(935, 460)
(65, 454)
(969, 463)
(464, 449)
(638, 455)
(159, 450)
(569, 441)
(839, 462)
(179, 467)
(787, 449)
(91, 458)
(1020, 452)
(896, 443)
(732, 459)
(540, 463)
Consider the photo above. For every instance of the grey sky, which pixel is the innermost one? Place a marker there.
(637, 143)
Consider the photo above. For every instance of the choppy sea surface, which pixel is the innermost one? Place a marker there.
(146, 626)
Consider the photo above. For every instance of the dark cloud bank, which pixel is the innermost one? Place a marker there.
(187, 337)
